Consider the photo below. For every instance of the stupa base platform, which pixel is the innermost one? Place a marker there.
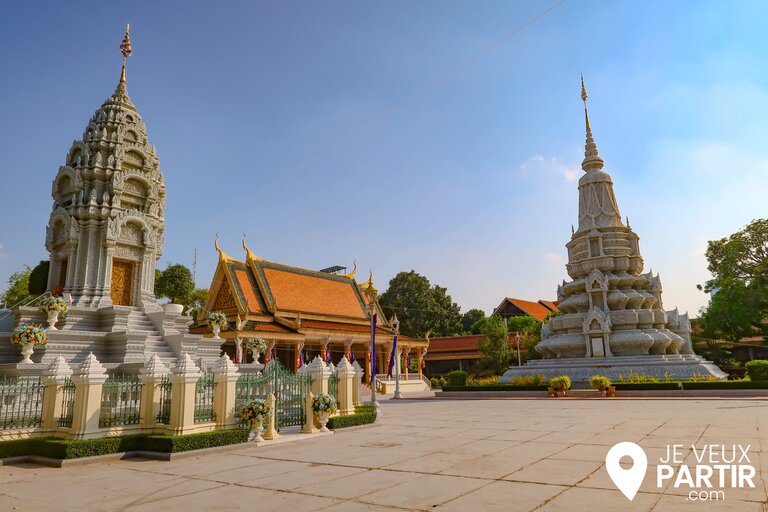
(674, 366)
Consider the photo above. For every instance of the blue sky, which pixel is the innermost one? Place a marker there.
(471, 182)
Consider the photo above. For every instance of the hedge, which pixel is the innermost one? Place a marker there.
(727, 384)
(757, 369)
(497, 387)
(457, 378)
(649, 386)
(364, 414)
(77, 448)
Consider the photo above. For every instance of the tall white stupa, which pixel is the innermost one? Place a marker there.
(612, 319)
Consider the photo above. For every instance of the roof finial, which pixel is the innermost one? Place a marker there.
(628, 221)
(591, 159)
(126, 50)
(222, 255)
(248, 254)
(351, 275)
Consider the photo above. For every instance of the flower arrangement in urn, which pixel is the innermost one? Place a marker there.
(26, 337)
(53, 307)
(323, 405)
(256, 413)
(216, 321)
(560, 384)
(255, 347)
(600, 383)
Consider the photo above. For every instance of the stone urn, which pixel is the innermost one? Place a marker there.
(256, 429)
(216, 330)
(27, 349)
(174, 309)
(53, 317)
(322, 418)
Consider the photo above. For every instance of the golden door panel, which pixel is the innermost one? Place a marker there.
(121, 287)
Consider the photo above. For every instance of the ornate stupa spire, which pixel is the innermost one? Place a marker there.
(126, 50)
(592, 159)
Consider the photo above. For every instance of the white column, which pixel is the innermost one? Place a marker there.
(225, 378)
(54, 378)
(151, 376)
(89, 379)
(184, 377)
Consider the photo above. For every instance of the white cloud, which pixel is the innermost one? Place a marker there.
(554, 257)
(541, 164)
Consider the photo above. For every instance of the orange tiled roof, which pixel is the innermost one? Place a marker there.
(250, 295)
(534, 309)
(551, 305)
(459, 343)
(297, 290)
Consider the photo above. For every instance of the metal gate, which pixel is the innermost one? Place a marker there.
(290, 393)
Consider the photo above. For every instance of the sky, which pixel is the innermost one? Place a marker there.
(406, 135)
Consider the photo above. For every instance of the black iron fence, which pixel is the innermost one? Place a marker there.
(21, 402)
(164, 411)
(67, 404)
(204, 389)
(120, 401)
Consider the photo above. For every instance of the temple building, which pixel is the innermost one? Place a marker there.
(612, 320)
(301, 313)
(104, 236)
(510, 307)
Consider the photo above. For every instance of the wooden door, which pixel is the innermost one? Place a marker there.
(121, 287)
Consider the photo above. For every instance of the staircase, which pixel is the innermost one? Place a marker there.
(139, 323)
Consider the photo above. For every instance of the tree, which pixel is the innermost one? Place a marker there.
(523, 324)
(481, 325)
(494, 347)
(175, 283)
(739, 284)
(421, 307)
(17, 292)
(38, 279)
(196, 301)
(469, 319)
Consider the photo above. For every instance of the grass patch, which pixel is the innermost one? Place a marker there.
(497, 387)
(77, 448)
(647, 386)
(364, 414)
(727, 384)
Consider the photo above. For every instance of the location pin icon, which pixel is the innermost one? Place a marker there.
(627, 480)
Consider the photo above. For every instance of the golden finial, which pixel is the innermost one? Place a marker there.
(248, 254)
(222, 255)
(351, 275)
(592, 159)
(371, 290)
(126, 50)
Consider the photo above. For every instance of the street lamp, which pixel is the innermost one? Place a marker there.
(371, 293)
(517, 342)
(396, 327)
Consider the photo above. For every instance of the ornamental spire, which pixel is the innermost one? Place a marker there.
(592, 159)
(126, 50)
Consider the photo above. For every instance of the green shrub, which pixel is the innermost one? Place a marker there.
(457, 378)
(364, 414)
(482, 381)
(599, 382)
(726, 384)
(647, 386)
(442, 382)
(563, 382)
(434, 382)
(528, 380)
(77, 448)
(497, 387)
(757, 369)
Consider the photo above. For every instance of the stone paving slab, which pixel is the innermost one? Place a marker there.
(483, 455)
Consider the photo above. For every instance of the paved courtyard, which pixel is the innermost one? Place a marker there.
(485, 455)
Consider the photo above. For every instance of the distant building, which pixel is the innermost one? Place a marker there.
(455, 353)
(518, 307)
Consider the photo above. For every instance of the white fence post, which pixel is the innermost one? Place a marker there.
(89, 379)
(225, 380)
(54, 378)
(184, 377)
(151, 376)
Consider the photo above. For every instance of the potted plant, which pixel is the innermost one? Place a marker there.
(26, 337)
(216, 321)
(323, 405)
(256, 413)
(53, 307)
(176, 284)
(560, 384)
(600, 383)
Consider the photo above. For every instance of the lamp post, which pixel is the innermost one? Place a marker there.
(396, 327)
(517, 342)
(371, 293)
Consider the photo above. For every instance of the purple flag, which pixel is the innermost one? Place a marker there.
(352, 356)
(327, 355)
(392, 357)
(373, 349)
